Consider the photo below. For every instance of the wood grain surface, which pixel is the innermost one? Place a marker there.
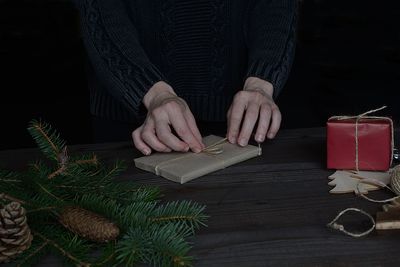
(268, 211)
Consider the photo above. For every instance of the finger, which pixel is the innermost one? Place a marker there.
(163, 131)
(193, 127)
(276, 122)
(164, 134)
(149, 137)
(139, 144)
(263, 123)
(183, 130)
(248, 124)
(235, 118)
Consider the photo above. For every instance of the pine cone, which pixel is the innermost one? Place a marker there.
(88, 224)
(15, 235)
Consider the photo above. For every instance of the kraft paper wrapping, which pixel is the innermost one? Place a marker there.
(184, 167)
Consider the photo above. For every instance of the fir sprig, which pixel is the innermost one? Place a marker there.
(47, 139)
(151, 231)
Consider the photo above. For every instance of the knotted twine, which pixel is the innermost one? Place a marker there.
(364, 116)
(394, 180)
(213, 149)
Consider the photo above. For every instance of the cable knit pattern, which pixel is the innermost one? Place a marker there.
(197, 46)
(131, 76)
(220, 20)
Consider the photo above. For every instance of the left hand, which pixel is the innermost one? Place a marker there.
(254, 102)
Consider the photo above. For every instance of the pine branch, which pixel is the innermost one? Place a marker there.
(72, 248)
(170, 246)
(129, 192)
(98, 204)
(152, 233)
(159, 245)
(86, 161)
(186, 211)
(11, 198)
(136, 214)
(9, 177)
(33, 253)
(117, 169)
(132, 248)
(48, 140)
(107, 255)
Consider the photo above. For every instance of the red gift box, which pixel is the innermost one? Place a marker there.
(359, 143)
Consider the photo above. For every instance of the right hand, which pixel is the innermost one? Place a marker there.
(166, 109)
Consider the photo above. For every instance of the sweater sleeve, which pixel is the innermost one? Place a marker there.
(270, 36)
(113, 48)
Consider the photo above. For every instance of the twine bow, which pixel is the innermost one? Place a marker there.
(358, 118)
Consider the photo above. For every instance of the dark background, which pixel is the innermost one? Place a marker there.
(347, 61)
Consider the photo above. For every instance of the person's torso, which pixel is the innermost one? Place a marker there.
(197, 44)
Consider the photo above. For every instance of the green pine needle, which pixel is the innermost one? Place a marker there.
(184, 211)
(47, 139)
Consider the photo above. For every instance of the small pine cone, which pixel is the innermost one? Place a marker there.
(88, 224)
(15, 234)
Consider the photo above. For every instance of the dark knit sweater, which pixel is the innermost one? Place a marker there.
(205, 49)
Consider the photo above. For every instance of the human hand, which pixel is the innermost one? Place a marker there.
(166, 109)
(253, 102)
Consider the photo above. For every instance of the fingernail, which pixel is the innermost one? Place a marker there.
(232, 139)
(271, 135)
(259, 138)
(197, 150)
(146, 151)
(167, 150)
(242, 142)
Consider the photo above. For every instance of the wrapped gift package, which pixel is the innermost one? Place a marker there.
(183, 167)
(359, 143)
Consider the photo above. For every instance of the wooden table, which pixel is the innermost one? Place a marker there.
(267, 211)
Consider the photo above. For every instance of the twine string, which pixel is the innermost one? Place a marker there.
(377, 183)
(340, 227)
(213, 149)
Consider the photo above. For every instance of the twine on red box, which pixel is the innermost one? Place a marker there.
(364, 116)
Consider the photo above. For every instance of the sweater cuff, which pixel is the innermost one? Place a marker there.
(267, 72)
(140, 85)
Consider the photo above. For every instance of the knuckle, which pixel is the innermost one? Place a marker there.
(156, 112)
(275, 108)
(252, 113)
(172, 105)
(145, 134)
(163, 136)
(267, 107)
(235, 118)
(135, 133)
(241, 94)
(182, 131)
